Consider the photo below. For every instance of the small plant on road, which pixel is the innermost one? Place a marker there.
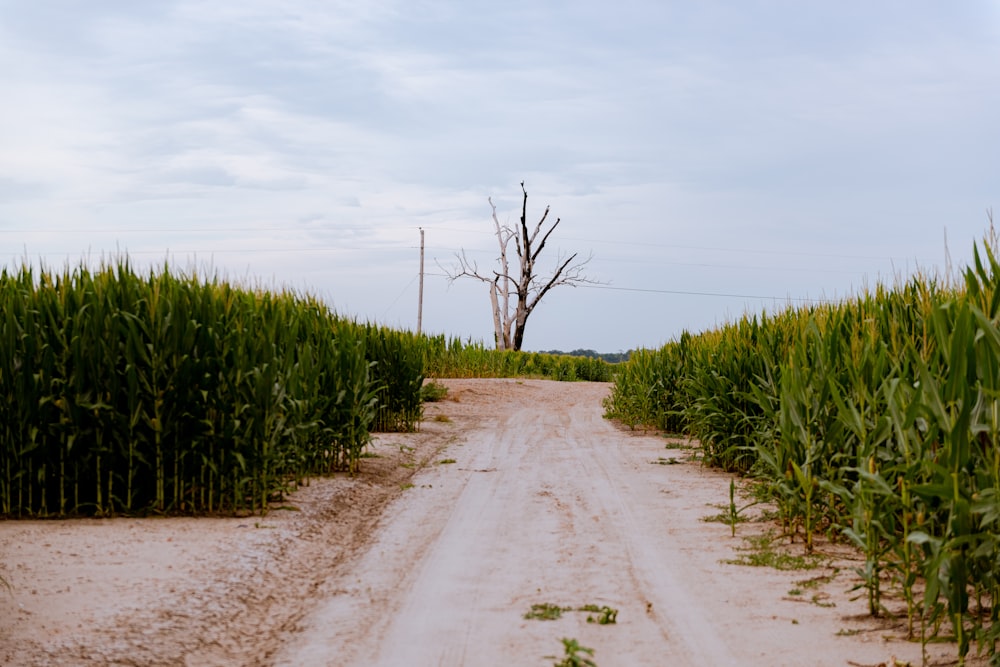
(665, 462)
(572, 657)
(760, 552)
(601, 615)
(544, 612)
(734, 511)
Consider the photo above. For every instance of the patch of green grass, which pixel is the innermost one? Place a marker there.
(723, 517)
(820, 600)
(545, 612)
(815, 582)
(445, 419)
(600, 614)
(678, 444)
(760, 552)
(406, 486)
(446, 461)
(665, 462)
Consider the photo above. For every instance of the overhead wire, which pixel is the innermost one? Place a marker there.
(651, 290)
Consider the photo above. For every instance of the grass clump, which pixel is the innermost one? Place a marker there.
(761, 552)
(575, 655)
(603, 615)
(545, 612)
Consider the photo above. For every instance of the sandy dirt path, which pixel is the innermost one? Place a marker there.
(548, 503)
(513, 493)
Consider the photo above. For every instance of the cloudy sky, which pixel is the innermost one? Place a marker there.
(714, 157)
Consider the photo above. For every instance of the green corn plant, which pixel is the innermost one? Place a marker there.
(949, 403)
(878, 417)
(453, 358)
(129, 393)
(872, 529)
(903, 410)
(576, 655)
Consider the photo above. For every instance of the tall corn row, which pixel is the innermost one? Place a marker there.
(455, 359)
(122, 393)
(398, 376)
(648, 388)
(877, 419)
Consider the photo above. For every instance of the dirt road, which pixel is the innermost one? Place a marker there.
(514, 493)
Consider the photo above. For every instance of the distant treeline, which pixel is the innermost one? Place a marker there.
(610, 357)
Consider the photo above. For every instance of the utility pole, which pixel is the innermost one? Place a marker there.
(420, 299)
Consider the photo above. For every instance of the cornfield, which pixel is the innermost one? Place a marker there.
(128, 393)
(454, 359)
(876, 420)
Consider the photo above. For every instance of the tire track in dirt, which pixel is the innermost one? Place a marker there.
(548, 503)
(469, 553)
(678, 612)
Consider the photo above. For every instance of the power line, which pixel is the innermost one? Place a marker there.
(400, 295)
(599, 259)
(714, 294)
(725, 295)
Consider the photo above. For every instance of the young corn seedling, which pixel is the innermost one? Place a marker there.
(734, 510)
(575, 655)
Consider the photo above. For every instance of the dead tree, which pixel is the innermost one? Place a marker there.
(514, 296)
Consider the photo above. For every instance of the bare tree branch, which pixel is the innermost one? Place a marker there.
(529, 288)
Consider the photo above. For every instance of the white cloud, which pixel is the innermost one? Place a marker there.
(695, 148)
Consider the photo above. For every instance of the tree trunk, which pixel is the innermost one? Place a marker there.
(528, 286)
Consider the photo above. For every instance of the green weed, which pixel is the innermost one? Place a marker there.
(545, 612)
(572, 655)
(760, 552)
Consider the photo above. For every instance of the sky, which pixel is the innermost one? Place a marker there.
(712, 158)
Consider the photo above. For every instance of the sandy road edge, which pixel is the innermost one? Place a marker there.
(193, 591)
